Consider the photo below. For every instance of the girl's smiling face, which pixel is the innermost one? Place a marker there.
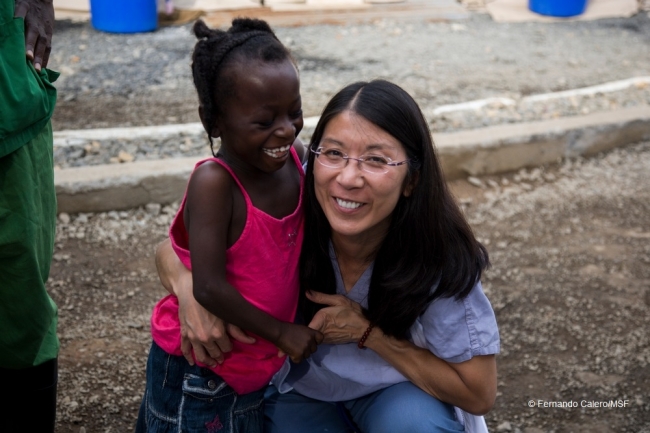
(261, 119)
(357, 204)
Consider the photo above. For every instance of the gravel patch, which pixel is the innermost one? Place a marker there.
(80, 152)
(144, 79)
(569, 284)
(111, 80)
(569, 243)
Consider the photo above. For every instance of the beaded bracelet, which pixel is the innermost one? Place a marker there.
(364, 337)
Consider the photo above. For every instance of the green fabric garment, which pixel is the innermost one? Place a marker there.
(28, 316)
(27, 97)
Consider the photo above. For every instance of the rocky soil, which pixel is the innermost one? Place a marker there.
(569, 243)
(144, 79)
(570, 284)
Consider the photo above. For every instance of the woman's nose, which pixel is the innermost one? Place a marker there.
(351, 175)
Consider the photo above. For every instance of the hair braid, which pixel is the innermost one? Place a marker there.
(212, 55)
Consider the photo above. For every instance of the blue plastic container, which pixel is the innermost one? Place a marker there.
(124, 16)
(558, 8)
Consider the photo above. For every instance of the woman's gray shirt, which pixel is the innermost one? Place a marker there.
(453, 330)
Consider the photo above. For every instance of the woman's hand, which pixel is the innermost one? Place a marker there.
(341, 322)
(204, 333)
(201, 331)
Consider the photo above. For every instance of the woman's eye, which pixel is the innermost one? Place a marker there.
(376, 159)
(332, 153)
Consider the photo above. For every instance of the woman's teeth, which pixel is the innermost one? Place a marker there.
(348, 204)
(278, 152)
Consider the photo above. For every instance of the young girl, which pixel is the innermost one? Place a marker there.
(239, 229)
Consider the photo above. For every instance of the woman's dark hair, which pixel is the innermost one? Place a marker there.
(429, 243)
(247, 40)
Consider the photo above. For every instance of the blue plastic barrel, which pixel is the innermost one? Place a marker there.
(124, 16)
(558, 8)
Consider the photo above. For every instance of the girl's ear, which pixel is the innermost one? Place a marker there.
(212, 130)
(411, 184)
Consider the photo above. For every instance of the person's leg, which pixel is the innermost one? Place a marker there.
(402, 407)
(192, 399)
(27, 389)
(247, 413)
(294, 413)
(28, 316)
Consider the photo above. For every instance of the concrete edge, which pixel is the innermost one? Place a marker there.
(484, 151)
(161, 132)
(157, 132)
(503, 148)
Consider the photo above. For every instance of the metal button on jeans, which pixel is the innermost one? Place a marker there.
(212, 384)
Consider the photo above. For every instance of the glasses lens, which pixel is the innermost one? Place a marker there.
(331, 158)
(375, 164)
(334, 158)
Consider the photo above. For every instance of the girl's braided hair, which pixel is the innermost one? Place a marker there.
(247, 40)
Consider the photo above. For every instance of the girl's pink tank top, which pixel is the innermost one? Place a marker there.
(263, 266)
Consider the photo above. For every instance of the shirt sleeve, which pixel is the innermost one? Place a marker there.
(457, 330)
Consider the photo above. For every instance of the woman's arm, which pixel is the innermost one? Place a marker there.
(201, 331)
(469, 385)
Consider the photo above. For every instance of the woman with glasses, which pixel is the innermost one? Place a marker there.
(390, 274)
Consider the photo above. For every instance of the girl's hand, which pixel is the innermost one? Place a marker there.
(298, 341)
(342, 322)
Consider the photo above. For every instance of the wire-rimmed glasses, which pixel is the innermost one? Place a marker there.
(372, 163)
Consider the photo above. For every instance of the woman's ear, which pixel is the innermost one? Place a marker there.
(212, 130)
(411, 184)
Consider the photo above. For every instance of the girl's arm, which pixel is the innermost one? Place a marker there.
(201, 332)
(469, 385)
(209, 208)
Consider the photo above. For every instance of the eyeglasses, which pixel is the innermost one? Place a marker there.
(373, 164)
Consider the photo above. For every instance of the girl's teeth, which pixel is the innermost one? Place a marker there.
(277, 153)
(347, 204)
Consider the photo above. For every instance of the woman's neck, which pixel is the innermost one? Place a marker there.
(354, 255)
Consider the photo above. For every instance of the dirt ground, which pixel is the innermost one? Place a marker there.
(569, 243)
(570, 284)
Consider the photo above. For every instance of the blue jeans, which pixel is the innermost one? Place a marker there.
(191, 399)
(399, 408)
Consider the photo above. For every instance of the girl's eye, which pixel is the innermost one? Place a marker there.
(265, 123)
(297, 114)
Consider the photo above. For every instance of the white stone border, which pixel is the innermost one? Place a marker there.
(476, 152)
(161, 132)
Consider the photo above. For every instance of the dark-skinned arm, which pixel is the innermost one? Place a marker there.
(207, 225)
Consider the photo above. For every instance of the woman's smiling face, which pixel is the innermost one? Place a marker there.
(358, 204)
